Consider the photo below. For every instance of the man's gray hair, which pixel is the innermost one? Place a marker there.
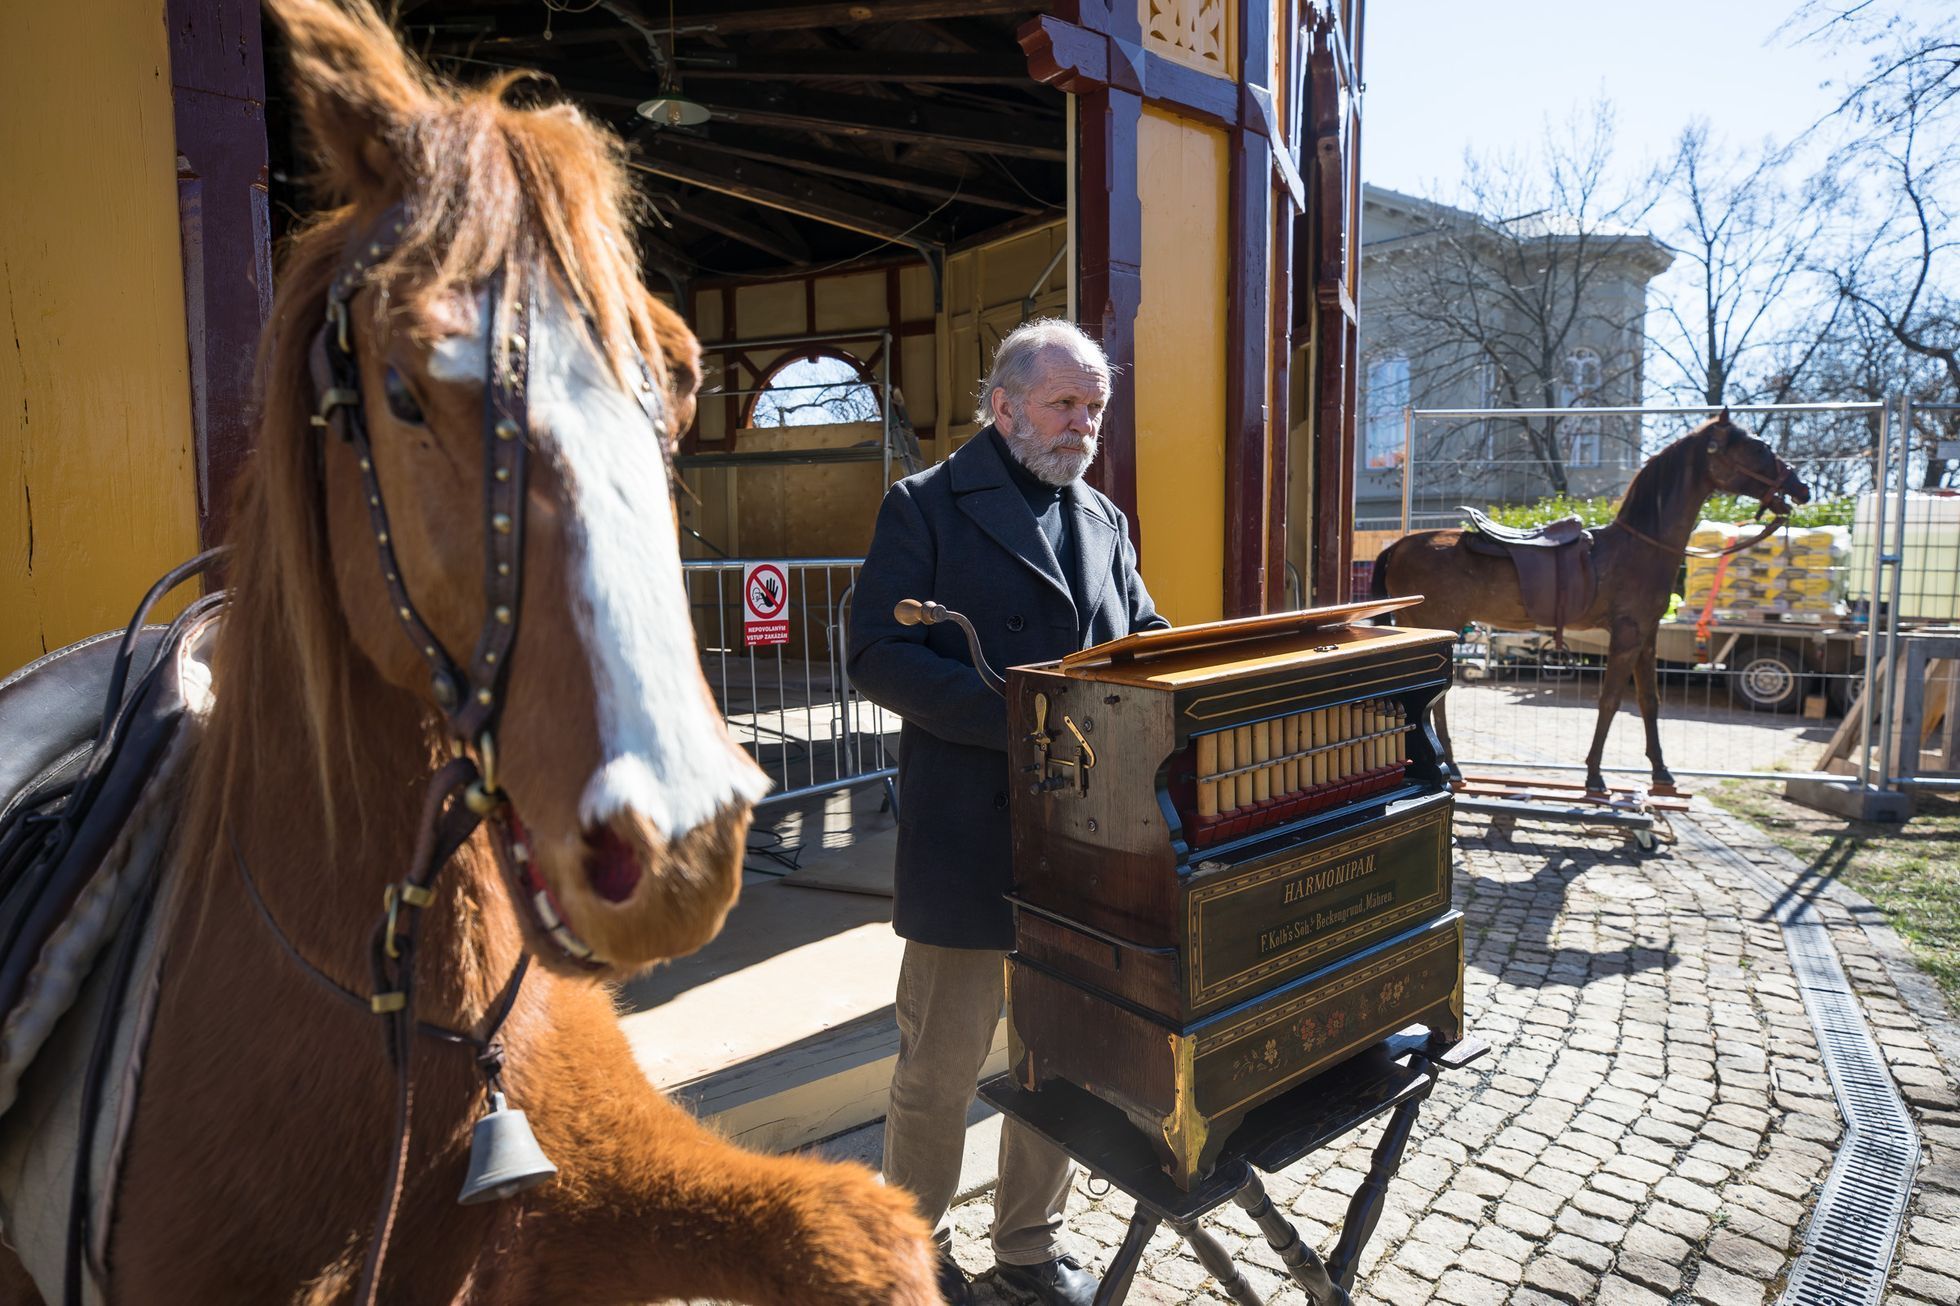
(1018, 355)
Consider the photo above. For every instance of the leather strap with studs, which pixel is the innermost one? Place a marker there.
(471, 697)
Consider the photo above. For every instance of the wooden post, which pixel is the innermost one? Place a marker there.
(217, 78)
(1247, 344)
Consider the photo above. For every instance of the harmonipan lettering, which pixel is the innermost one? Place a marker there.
(1333, 877)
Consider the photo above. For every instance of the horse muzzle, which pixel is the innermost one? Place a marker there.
(1791, 489)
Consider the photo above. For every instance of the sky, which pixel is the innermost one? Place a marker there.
(1441, 76)
(1494, 76)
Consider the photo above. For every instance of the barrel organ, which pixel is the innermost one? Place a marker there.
(1232, 864)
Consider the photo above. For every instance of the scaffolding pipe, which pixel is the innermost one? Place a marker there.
(1408, 463)
(771, 342)
(1659, 410)
(1034, 291)
(1632, 768)
(1665, 410)
(1880, 486)
(1903, 456)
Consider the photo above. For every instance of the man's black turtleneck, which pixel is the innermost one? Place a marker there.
(1047, 503)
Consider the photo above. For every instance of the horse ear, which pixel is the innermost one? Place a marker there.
(358, 91)
(1719, 430)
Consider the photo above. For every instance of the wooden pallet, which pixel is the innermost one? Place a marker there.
(1506, 800)
(1773, 617)
(1493, 785)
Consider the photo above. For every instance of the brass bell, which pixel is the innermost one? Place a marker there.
(504, 1157)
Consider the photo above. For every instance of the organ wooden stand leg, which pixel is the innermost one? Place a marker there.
(1393, 1077)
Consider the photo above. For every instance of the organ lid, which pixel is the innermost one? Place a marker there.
(1240, 630)
(1185, 654)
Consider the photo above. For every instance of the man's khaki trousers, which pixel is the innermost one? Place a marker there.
(949, 1002)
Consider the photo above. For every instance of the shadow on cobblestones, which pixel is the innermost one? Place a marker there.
(1536, 904)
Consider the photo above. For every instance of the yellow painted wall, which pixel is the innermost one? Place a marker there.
(97, 462)
(1180, 365)
(985, 287)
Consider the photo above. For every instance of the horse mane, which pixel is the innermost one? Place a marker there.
(489, 186)
(1650, 494)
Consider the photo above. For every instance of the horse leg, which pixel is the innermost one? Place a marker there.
(1625, 646)
(650, 1205)
(1646, 688)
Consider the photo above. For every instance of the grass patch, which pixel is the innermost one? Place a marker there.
(1911, 871)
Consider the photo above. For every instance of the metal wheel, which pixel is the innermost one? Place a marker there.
(1768, 677)
(1557, 663)
(1842, 690)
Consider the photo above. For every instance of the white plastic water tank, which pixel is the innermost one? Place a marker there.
(1929, 575)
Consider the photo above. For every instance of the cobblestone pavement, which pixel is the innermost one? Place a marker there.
(1651, 1127)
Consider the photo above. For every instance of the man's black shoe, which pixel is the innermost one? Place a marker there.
(953, 1283)
(1060, 1282)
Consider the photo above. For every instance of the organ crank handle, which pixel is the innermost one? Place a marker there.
(913, 612)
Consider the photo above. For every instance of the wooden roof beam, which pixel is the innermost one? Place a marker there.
(860, 168)
(745, 179)
(1019, 134)
(711, 214)
(856, 66)
(724, 17)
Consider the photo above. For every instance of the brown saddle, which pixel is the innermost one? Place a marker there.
(86, 756)
(81, 732)
(1549, 535)
(1554, 564)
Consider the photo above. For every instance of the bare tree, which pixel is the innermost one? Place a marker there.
(1744, 235)
(1531, 284)
(816, 390)
(1896, 182)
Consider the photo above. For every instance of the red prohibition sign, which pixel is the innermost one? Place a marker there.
(768, 591)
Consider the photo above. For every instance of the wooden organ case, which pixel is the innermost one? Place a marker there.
(1232, 865)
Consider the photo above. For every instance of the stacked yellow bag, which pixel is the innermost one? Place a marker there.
(1710, 536)
(1797, 572)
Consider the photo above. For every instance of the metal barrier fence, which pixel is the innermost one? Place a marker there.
(1924, 601)
(1763, 652)
(792, 705)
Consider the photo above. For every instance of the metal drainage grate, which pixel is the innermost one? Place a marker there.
(1849, 1243)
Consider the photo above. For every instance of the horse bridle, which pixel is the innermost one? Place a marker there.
(1771, 486)
(464, 790)
(471, 697)
(1775, 524)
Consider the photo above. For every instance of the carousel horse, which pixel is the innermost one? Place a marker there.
(439, 766)
(1616, 578)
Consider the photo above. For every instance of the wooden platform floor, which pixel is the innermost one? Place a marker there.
(781, 1030)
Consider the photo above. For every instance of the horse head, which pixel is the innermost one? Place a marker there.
(490, 291)
(1739, 463)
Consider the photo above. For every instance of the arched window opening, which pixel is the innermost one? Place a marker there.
(1579, 388)
(818, 389)
(1388, 394)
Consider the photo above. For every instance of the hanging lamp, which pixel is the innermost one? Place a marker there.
(670, 108)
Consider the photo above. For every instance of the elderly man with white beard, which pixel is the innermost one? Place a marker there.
(1005, 532)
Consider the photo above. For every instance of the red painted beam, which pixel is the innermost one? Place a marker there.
(217, 75)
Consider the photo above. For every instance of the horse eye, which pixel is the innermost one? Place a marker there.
(401, 400)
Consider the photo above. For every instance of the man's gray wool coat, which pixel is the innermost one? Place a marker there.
(961, 533)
